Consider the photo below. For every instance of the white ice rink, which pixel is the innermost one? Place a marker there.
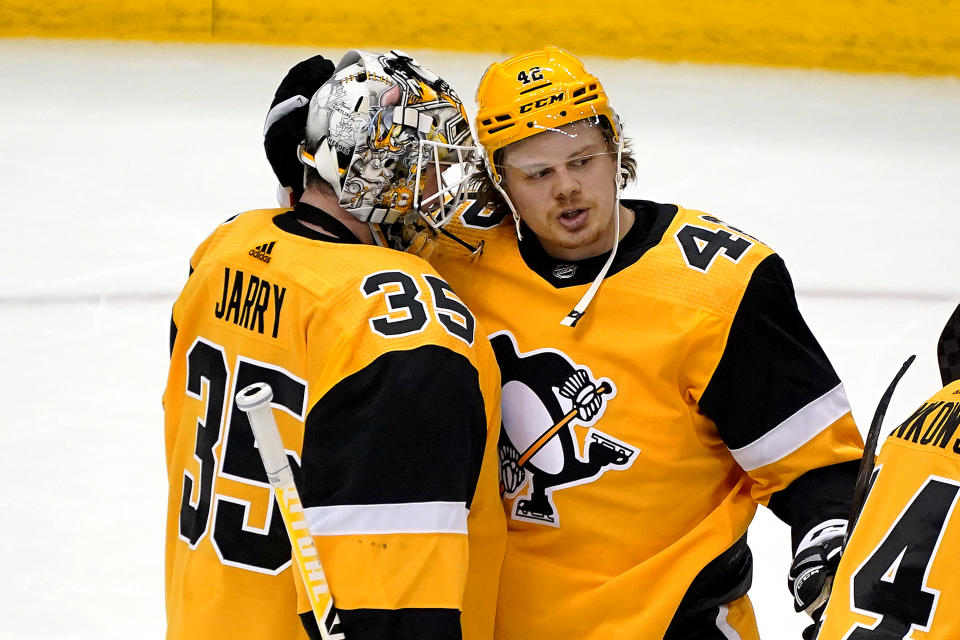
(116, 159)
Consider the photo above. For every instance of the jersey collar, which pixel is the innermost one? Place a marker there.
(288, 221)
(652, 220)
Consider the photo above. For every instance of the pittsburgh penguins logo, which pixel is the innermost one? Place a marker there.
(545, 397)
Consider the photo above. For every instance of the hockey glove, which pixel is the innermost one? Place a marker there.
(286, 123)
(813, 568)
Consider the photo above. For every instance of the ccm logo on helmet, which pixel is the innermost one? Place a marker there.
(542, 102)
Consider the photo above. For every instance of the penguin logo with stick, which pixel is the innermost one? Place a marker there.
(549, 441)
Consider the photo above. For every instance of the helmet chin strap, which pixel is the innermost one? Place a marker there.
(577, 312)
(516, 216)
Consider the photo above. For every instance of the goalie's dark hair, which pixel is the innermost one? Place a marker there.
(312, 180)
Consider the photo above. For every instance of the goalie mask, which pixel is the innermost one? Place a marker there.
(393, 141)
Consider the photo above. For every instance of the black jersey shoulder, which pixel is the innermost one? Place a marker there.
(387, 434)
(651, 222)
(772, 365)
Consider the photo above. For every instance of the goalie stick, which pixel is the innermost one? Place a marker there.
(254, 400)
(948, 349)
(869, 452)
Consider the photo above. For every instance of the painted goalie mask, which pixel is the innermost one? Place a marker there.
(393, 141)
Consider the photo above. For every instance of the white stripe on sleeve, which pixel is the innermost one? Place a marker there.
(795, 431)
(724, 626)
(409, 517)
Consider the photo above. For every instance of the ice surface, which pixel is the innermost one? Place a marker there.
(116, 159)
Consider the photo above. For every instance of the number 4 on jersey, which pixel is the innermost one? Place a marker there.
(701, 246)
(891, 584)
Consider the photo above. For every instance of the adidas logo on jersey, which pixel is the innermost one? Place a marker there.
(263, 251)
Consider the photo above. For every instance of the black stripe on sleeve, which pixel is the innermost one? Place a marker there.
(771, 367)
(401, 624)
(309, 622)
(723, 580)
(818, 495)
(409, 427)
(173, 333)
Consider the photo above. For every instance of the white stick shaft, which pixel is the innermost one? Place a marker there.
(270, 445)
(254, 400)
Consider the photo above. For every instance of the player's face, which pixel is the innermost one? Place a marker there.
(562, 184)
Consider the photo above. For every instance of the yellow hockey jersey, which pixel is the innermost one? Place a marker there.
(898, 576)
(636, 445)
(387, 398)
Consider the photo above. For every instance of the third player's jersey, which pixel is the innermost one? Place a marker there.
(900, 573)
(636, 445)
(386, 395)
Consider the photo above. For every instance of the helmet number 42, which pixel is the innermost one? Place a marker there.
(533, 74)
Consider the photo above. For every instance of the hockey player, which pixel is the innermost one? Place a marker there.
(387, 394)
(659, 382)
(639, 435)
(898, 575)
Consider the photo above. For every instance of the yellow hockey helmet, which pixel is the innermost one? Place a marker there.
(542, 89)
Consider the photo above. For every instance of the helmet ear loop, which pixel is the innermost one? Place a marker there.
(513, 209)
(621, 181)
(497, 179)
(622, 173)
